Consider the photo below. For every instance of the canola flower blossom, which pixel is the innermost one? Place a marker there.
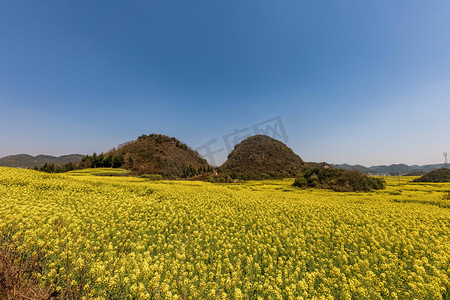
(130, 238)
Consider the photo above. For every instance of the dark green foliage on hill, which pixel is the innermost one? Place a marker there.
(262, 157)
(439, 175)
(163, 155)
(320, 165)
(359, 168)
(338, 180)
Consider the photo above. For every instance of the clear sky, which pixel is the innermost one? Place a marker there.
(362, 82)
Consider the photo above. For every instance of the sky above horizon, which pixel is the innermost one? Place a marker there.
(353, 82)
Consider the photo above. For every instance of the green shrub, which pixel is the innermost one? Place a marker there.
(313, 180)
(301, 181)
(338, 180)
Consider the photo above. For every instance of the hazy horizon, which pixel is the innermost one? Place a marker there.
(357, 83)
(221, 158)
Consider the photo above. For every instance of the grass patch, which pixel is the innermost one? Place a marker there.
(152, 176)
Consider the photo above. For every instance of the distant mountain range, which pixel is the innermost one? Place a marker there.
(395, 169)
(28, 161)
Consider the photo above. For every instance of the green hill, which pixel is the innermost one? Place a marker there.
(160, 154)
(439, 175)
(259, 157)
(28, 161)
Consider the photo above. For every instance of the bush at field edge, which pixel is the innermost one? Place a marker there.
(338, 180)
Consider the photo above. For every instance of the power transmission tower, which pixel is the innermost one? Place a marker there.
(445, 155)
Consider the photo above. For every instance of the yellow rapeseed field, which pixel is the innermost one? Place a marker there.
(130, 238)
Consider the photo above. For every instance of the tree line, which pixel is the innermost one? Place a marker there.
(190, 171)
(88, 161)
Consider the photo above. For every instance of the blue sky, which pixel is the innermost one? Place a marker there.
(352, 81)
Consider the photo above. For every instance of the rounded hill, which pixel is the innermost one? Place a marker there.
(439, 175)
(260, 157)
(160, 154)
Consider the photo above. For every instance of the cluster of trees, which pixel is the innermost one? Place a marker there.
(338, 180)
(102, 161)
(191, 171)
(88, 161)
(54, 168)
